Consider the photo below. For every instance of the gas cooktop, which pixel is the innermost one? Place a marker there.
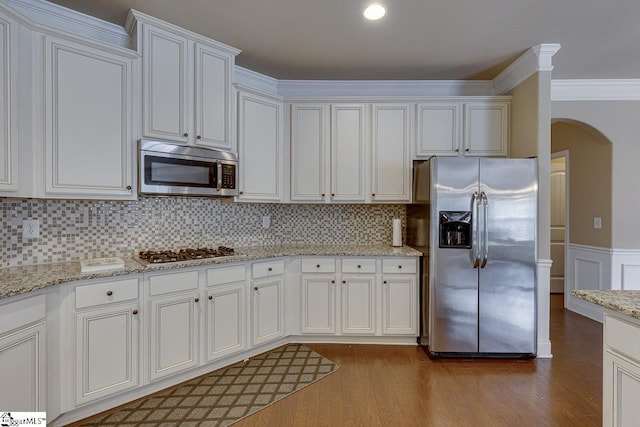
(186, 254)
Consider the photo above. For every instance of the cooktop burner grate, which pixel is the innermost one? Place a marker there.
(186, 254)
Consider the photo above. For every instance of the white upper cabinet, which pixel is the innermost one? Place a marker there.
(88, 137)
(8, 105)
(486, 128)
(165, 85)
(329, 162)
(438, 128)
(390, 158)
(462, 128)
(309, 151)
(187, 85)
(348, 152)
(260, 145)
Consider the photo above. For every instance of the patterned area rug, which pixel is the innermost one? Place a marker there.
(223, 397)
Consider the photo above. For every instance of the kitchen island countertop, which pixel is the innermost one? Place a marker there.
(29, 278)
(624, 302)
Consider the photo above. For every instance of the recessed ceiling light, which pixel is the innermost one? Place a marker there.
(374, 12)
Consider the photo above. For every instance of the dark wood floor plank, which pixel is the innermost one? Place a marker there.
(401, 386)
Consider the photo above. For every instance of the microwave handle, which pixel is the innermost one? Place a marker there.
(219, 177)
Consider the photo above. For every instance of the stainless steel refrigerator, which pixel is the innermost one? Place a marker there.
(475, 221)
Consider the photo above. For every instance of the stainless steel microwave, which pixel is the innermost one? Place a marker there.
(180, 170)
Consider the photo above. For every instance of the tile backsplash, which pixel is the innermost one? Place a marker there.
(78, 229)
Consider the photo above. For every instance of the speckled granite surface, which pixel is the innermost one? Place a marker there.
(625, 302)
(23, 279)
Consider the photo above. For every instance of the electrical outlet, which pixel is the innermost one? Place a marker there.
(30, 229)
(597, 222)
(266, 221)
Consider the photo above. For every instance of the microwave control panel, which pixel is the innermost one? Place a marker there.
(228, 176)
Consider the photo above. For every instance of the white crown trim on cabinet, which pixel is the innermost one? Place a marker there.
(595, 90)
(44, 13)
(538, 58)
(251, 79)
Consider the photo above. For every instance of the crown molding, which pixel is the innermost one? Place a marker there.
(43, 14)
(596, 90)
(135, 16)
(249, 78)
(536, 59)
(384, 88)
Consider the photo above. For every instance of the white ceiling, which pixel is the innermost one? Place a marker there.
(417, 39)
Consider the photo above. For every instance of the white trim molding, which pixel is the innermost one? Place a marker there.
(538, 58)
(543, 274)
(590, 267)
(399, 88)
(595, 90)
(248, 78)
(625, 269)
(43, 14)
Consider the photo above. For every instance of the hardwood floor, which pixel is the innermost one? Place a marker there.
(401, 386)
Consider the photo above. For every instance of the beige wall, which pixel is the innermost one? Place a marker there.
(618, 122)
(589, 182)
(531, 137)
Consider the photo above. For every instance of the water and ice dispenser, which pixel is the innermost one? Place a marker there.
(455, 229)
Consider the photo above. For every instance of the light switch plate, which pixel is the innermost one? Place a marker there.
(597, 222)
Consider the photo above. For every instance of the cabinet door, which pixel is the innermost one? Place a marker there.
(260, 147)
(486, 128)
(107, 351)
(225, 320)
(621, 388)
(23, 369)
(88, 137)
(267, 308)
(358, 305)
(8, 106)
(318, 304)
(438, 129)
(348, 153)
(213, 98)
(173, 334)
(309, 147)
(399, 305)
(165, 69)
(390, 166)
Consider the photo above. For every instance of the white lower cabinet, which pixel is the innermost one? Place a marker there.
(267, 302)
(353, 303)
(226, 311)
(174, 300)
(621, 372)
(23, 355)
(358, 298)
(399, 307)
(107, 331)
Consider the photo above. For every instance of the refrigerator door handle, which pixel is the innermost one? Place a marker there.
(475, 238)
(485, 231)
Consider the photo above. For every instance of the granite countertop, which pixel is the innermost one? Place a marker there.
(625, 302)
(28, 278)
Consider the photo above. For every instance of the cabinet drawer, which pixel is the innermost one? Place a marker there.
(174, 282)
(218, 276)
(399, 265)
(359, 265)
(622, 337)
(318, 265)
(106, 293)
(265, 269)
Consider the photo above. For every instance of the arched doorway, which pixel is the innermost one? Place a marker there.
(588, 215)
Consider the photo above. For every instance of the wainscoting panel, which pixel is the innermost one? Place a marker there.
(588, 267)
(625, 269)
